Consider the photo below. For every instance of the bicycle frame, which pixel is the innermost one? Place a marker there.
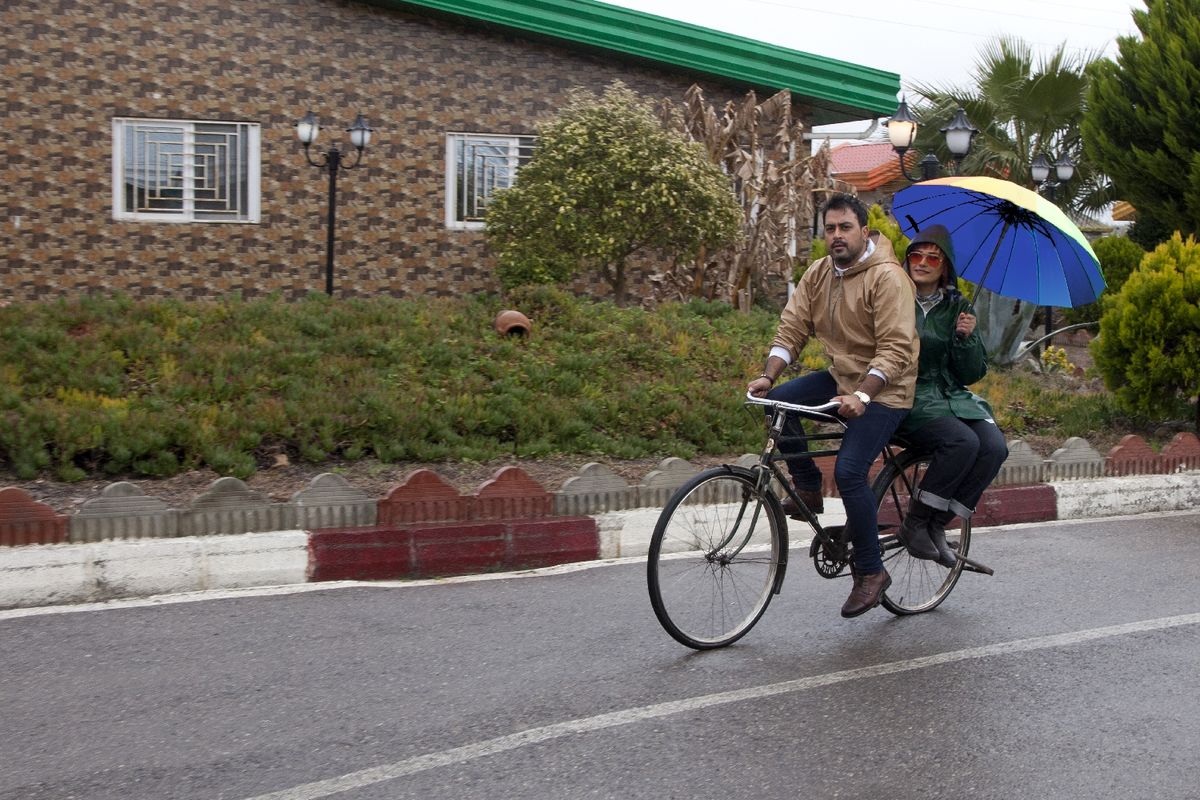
(768, 466)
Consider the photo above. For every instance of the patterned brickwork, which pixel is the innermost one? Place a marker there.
(69, 67)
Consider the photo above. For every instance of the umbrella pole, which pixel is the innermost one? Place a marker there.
(992, 257)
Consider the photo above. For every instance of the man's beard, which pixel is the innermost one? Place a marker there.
(849, 259)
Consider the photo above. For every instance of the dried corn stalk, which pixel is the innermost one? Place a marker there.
(762, 148)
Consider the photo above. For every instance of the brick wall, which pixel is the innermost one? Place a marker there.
(70, 66)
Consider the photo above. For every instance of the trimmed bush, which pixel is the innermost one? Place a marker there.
(1149, 345)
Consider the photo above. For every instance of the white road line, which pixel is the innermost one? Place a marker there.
(501, 744)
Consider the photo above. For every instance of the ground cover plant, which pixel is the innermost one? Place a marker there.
(100, 387)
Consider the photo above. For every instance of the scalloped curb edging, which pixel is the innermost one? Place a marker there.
(230, 537)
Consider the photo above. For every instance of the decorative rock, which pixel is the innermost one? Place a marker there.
(596, 489)
(1075, 459)
(229, 506)
(423, 497)
(511, 494)
(330, 501)
(1022, 466)
(23, 520)
(1132, 456)
(658, 485)
(123, 511)
(1181, 453)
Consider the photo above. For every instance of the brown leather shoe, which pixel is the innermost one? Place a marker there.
(866, 593)
(811, 497)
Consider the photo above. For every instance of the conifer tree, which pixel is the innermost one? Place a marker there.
(1143, 123)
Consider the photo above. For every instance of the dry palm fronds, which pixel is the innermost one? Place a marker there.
(763, 151)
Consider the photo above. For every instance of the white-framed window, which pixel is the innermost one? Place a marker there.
(478, 164)
(185, 171)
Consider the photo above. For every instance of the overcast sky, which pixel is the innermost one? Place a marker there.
(925, 41)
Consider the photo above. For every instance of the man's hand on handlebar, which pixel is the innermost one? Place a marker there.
(851, 407)
(759, 386)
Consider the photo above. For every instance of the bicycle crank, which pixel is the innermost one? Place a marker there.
(829, 552)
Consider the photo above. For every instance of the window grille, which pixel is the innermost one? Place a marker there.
(180, 171)
(477, 165)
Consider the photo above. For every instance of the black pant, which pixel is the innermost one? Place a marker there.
(967, 455)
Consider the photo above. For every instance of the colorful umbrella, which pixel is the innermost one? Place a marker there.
(1006, 238)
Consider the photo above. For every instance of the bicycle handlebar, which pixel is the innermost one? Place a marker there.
(822, 409)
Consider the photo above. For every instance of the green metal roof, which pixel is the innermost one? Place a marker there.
(838, 91)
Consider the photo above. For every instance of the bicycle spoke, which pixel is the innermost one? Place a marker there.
(713, 559)
(917, 584)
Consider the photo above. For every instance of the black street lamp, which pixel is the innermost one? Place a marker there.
(360, 136)
(902, 132)
(1039, 170)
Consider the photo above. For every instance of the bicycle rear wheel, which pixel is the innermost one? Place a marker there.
(918, 585)
(718, 554)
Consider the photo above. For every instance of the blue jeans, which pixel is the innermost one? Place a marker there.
(865, 439)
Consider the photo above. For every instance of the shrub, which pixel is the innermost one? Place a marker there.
(172, 386)
(166, 386)
(1148, 350)
(1119, 257)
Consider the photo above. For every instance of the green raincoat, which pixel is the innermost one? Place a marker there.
(948, 363)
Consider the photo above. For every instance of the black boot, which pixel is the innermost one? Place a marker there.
(937, 535)
(914, 532)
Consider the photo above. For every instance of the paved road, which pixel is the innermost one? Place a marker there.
(1070, 674)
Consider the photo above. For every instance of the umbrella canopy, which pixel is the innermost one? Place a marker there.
(1006, 238)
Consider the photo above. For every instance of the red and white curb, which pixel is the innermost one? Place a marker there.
(42, 575)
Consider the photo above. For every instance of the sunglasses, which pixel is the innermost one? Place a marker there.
(930, 258)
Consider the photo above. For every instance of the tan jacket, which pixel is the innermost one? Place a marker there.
(865, 319)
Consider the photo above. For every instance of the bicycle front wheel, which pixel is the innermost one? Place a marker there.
(918, 585)
(717, 556)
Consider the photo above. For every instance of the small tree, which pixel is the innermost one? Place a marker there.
(606, 181)
(1148, 350)
(760, 146)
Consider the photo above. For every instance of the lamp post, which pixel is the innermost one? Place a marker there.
(360, 136)
(902, 132)
(1039, 170)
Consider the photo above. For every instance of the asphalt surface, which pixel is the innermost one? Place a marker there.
(1070, 674)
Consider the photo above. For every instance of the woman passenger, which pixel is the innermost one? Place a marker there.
(953, 425)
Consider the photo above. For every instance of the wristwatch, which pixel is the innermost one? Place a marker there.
(866, 398)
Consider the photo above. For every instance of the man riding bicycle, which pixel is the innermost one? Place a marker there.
(859, 303)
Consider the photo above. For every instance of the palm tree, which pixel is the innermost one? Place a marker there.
(1024, 106)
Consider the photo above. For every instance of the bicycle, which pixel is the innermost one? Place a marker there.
(720, 547)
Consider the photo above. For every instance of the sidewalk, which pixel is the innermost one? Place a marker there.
(38, 575)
